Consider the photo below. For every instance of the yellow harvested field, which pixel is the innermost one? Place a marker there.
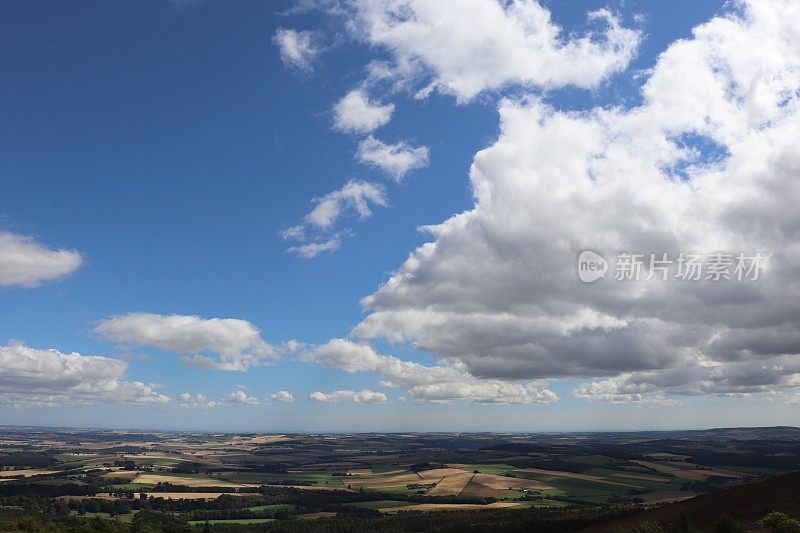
(161, 456)
(574, 475)
(314, 487)
(451, 507)
(28, 472)
(194, 495)
(123, 474)
(260, 439)
(379, 482)
(451, 485)
(438, 473)
(152, 479)
(502, 483)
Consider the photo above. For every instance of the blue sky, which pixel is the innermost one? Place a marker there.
(170, 144)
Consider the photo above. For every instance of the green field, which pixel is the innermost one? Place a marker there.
(384, 467)
(76, 460)
(496, 469)
(317, 478)
(548, 503)
(381, 504)
(124, 518)
(233, 521)
(595, 460)
(134, 487)
(579, 489)
(390, 490)
(273, 507)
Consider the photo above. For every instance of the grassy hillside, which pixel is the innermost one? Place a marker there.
(745, 503)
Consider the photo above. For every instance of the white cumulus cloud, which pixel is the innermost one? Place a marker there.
(363, 396)
(30, 376)
(464, 47)
(26, 263)
(448, 382)
(356, 113)
(282, 396)
(396, 160)
(240, 396)
(218, 343)
(196, 401)
(707, 162)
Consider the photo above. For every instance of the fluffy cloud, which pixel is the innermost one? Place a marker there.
(356, 113)
(240, 396)
(25, 263)
(282, 396)
(707, 162)
(711, 377)
(469, 46)
(443, 383)
(196, 401)
(614, 390)
(297, 48)
(30, 376)
(394, 159)
(354, 197)
(233, 344)
(364, 396)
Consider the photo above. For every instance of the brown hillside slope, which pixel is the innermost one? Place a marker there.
(746, 503)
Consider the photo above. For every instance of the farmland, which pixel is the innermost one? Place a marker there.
(268, 482)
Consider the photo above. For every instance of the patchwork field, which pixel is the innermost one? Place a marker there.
(503, 482)
(687, 472)
(388, 481)
(451, 484)
(152, 479)
(451, 507)
(330, 479)
(28, 472)
(574, 475)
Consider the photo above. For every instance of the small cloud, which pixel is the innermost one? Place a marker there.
(240, 396)
(291, 346)
(313, 249)
(282, 396)
(26, 263)
(364, 396)
(354, 197)
(396, 160)
(356, 113)
(196, 401)
(298, 49)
